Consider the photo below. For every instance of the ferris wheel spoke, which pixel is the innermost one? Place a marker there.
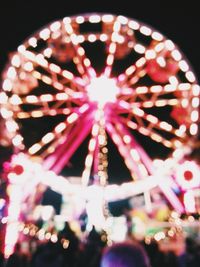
(96, 159)
(64, 151)
(112, 46)
(64, 134)
(133, 73)
(78, 84)
(80, 59)
(150, 122)
(153, 94)
(58, 99)
(58, 130)
(42, 112)
(136, 71)
(138, 153)
(53, 69)
(90, 158)
(125, 150)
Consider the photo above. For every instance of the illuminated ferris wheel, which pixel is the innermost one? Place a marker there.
(93, 80)
(101, 78)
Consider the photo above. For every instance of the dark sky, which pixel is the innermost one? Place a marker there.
(178, 20)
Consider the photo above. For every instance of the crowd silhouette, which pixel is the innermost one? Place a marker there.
(96, 251)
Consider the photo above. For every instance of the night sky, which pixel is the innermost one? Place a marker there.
(177, 20)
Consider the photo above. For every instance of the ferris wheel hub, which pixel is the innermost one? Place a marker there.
(102, 90)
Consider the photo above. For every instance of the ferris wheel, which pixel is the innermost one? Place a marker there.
(94, 80)
(100, 79)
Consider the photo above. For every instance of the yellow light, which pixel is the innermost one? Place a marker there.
(36, 113)
(3, 98)
(183, 65)
(62, 96)
(65, 243)
(47, 138)
(15, 61)
(145, 30)
(11, 126)
(195, 102)
(88, 160)
(173, 80)
(143, 169)
(7, 85)
(156, 137)
(79, 20)
(140, 62)
(34, 149)
(47, 52)
(122, 19)
(103, 37)
(86, 62)
(46, 97)
(139, 112)
(196, 90)
(110, 59)
(95, 129)
(143, 131)
(6, 114)
(81, 38)
(166, 126)
(94, 19)
(72, 118)
(92, 145)
(185, 103)
(133, 25)
(152, 119)
(107, 18)
(81, 51)
(55, 26)
(101, 139)
(44, 34)
(46, 79)
(68, 75)
(140, 49)
(28, 66)
(130, 70)
(60, 127)
(85, 177)
(15, 100)
(161, 61)
(150, 54)
(32, 42)
(55, 68)
(135, 154)
(176, 55)
(31, 99)
(40, 60)
(159, 47)
(17, 140)
(126, 139)
(141, 90)
(193, 129)
(157, 36)
(169, 45)
(11, 73)
(190, 76)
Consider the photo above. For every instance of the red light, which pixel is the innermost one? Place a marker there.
(18, 169)
(188, 175)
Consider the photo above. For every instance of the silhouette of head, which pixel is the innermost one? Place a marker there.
(125, 254)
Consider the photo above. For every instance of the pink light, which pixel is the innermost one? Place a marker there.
(155, 76)
(102, 90)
